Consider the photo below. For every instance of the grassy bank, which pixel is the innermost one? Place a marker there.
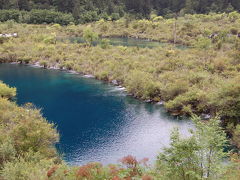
(189, 30)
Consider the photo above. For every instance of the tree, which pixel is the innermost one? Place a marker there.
(197, 157)
(89, 36)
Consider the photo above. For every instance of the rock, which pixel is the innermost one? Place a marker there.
(214, 35)
(148, 101)
(205, 116)
(37, 64)
(9, 35)
(160, 103)
(122, 88)
(88, 76)
(115, 82)
(72, 72)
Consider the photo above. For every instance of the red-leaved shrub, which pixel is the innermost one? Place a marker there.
(87, 170)
(51, 171)
(114, 170)
(116, 178)
(129, 161)
(147, 177)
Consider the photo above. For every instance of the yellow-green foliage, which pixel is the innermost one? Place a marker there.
(26, 140)
(190, 29)
(6, 91)
(31, 166)
(203, 78)
(23, 129)
(196, 79)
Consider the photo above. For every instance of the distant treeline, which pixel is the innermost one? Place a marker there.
(36, 16)
(85, 11)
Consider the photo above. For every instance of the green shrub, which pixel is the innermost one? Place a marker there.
(48, 16)
(89, 36)
(227, 99)
(12, 14)
(104, 43)
(202, 43)
(32, 166)
(3, 39)
(233, 16)
(43, 63)
(6, 91)
(115, 16)
(36, 16)
(88, 16)
(27, 129)
(188, 102)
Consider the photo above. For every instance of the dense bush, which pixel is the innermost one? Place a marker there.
(6, 15)
(46, 16)
(36, 16)
(26, 140)
(197, 157)
(22, 133)
(6, 91)
(137, 8)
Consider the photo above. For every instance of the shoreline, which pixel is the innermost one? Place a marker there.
(114, 83)
(167, 42)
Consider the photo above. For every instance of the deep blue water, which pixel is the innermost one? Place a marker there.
(96, 121)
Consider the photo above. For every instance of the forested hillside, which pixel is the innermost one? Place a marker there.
(91, 10)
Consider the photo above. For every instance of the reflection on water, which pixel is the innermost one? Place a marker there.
(97, 121)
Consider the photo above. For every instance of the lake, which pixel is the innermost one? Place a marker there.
(124, 41)
(96, 121)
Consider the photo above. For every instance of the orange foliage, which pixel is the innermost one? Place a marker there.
(116, 178)
(51, 171)
(86, 170)
(129, 161)
(114, 170)
(147, 177)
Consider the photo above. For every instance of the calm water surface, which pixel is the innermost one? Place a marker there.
(97, 121)
(129, 42)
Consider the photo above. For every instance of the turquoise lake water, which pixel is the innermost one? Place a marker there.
(128, 42)
(96, 121)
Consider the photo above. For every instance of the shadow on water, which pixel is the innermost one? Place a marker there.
(96, 121)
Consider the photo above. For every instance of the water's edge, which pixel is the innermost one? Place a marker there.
(113, 82)
(139, 130)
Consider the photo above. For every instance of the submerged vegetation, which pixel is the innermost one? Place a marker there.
(202, 78)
